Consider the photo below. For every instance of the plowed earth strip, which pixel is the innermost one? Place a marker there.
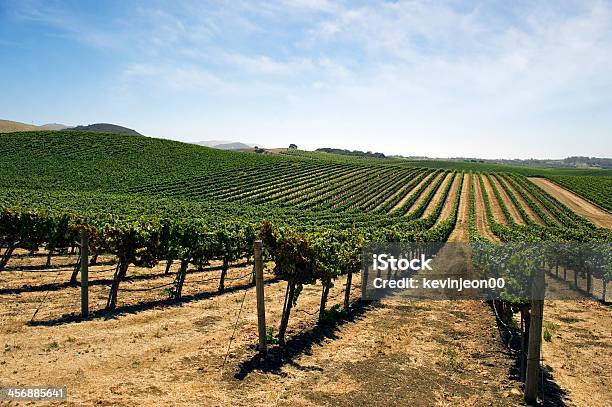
(409, 193)
(481, 212)
(460, 233)
(539, 204)
(534, 216)
(425, 192)
(509, 204)
(450, 200)
(437, 196)
(498, 214)
(576, 203)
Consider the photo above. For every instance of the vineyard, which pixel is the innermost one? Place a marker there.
(595, 189)
(160, 215)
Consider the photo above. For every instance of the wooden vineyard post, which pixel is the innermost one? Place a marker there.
(84, 273)
(259, 289)
(534, 346)
(347, 291)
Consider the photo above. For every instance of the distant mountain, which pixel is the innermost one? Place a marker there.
(234, 146)
(8, 126)
(53, 126)
(105, 128)
(226, 145)
(212, 143)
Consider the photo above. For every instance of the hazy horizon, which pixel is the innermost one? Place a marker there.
(486, 80)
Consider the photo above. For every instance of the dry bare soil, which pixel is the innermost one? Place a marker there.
(153, 352)
(576, 203)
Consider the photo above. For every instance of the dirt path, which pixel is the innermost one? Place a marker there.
(579, 354)
(530, 212)
(576, 203)
(498, 214)
(428, 353)
(437, 196)
(481, 213)
(509, 204)
(460, 233)
(409, 193)
(450, 200)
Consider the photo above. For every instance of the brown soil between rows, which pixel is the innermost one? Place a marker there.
(482, 223)
(437, 196)
(498, 214)
(576, 203)
(460, 233)
(539, 204)
(530, 212)
(427, 353)
(411, 192)
(399, 190)
(516, 216)
(426, 191)
(450, 200)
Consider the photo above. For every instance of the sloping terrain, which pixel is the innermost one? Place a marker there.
(576, 203)
(8, 126)
(106, 128)
(164, 200)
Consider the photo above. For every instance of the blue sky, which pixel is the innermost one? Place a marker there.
(443, 79)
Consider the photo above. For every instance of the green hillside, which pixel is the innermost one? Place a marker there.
(128, 176)
(109, 162)
(133, 166)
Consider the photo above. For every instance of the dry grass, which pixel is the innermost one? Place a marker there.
(7, 126)
(404, 353)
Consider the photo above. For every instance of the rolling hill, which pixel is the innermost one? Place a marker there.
(106, 128)
(226, 145)
(8, 126)
(53, 126)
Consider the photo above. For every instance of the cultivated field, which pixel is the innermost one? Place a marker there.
(173, 317)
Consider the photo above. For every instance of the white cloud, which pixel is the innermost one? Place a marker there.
(318, 5)
(263, 64)
(176, 79)
(370, 70)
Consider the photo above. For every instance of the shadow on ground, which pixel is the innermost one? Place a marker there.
(279, 356)
(102, 281)
(551, 394)
(143, 306)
